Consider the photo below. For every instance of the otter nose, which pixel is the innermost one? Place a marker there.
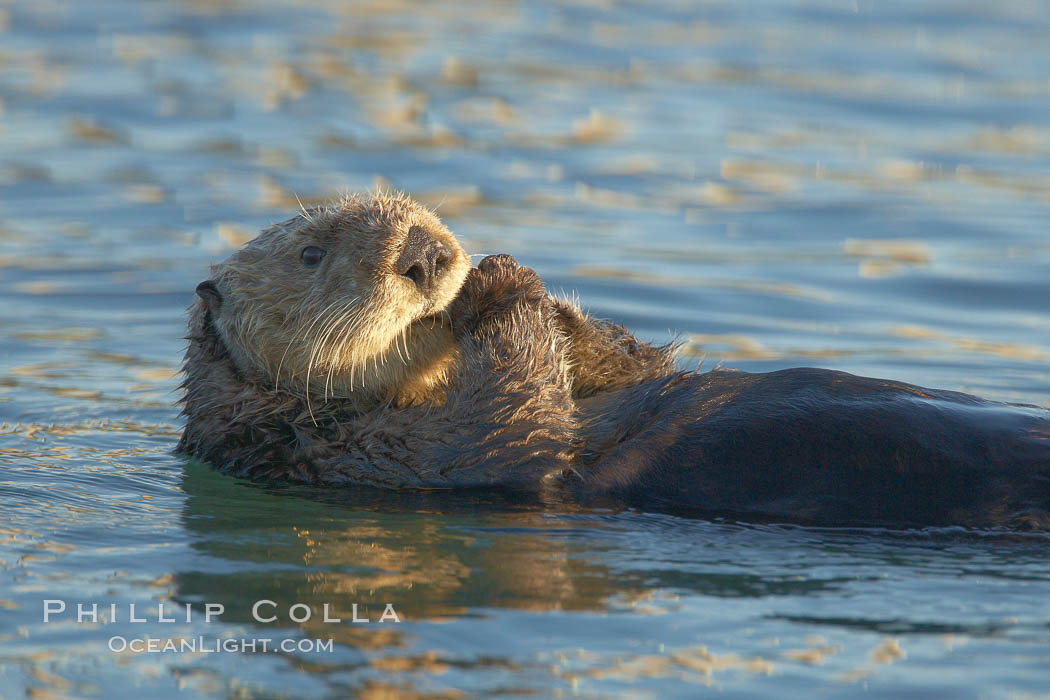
(423, 259)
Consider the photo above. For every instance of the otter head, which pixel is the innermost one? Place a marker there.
(344, 301)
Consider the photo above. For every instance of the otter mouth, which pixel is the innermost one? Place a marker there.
(432, 318)
(431, 312)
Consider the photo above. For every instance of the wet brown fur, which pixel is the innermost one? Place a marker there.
(348, 375)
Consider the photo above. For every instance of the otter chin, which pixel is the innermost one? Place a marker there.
(354, 345)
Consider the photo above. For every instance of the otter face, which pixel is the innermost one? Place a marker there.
(343, 301)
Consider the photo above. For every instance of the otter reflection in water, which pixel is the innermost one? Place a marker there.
(354, 345)
(432, 557)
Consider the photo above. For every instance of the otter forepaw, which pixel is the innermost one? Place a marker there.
(498, 286)
(494, 263)
(505, 274)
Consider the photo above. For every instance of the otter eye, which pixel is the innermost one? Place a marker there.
(312, 255)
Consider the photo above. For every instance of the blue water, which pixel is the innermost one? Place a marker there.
(856, 185)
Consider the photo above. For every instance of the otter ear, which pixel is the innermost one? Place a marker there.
(207, 291)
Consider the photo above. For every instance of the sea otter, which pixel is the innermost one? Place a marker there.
(355, 345)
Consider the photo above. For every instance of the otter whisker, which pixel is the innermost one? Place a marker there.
(318, 347)
(343, 328)
(349, 353)
(331, 360)
(299, 337)
(398, 339)
(351, 330)
(446, 314)
(309, 371)
(319, 318)
(306, 214)
(397, 348)
(387, 356)
(295, 340)
(322, 348)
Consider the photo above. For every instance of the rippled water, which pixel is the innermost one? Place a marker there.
(856, 185)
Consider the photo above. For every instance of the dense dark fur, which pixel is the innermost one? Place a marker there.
(543, 398)
(819, 446)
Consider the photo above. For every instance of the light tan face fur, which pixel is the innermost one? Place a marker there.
(350, 327)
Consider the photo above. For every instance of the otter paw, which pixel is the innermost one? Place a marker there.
(502, 262)
(504, 277)
(498, 286)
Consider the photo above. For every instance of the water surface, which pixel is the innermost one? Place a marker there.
(856, 185)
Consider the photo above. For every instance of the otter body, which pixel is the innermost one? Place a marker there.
(356, 346)
(820, 446)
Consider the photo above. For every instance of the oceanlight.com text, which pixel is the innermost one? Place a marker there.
(214, 645)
